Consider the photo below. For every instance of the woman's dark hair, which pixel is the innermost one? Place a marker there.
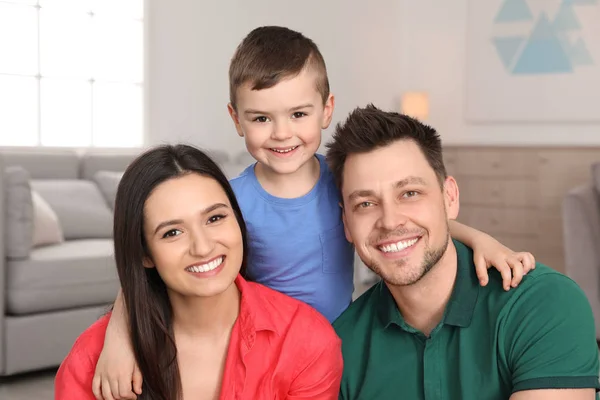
(145, 294)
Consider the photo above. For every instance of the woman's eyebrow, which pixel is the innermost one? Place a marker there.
(207, 210)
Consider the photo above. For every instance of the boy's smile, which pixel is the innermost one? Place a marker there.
(282, 124)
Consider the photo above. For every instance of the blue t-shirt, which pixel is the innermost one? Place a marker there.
(297, 246)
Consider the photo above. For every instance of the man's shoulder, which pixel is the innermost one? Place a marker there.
(360, 310)
(544, 280)
(543, 292)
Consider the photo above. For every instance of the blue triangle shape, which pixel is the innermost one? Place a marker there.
(514, 10)
(566, 20)
(543, 53)
(507, 48)
(579, 54)
(543, 28)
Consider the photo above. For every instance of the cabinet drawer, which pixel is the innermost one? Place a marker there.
(520, 243)
(496, 162)
(501, 221)
(515, 192)
(450, 157)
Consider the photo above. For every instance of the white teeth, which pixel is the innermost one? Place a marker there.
(285, 151)
(398, 246)
(206, 267)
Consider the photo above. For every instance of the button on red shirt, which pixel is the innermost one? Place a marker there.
(280, 348)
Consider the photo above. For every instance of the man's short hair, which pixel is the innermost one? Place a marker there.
(272, 53)
(370, 128)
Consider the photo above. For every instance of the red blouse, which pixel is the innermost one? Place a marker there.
(280, 348)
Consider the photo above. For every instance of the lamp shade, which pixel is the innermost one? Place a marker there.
(415, 104)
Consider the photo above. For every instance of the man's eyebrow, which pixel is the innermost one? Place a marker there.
(398, 185)
(207, 210)
(410, 180)
(360, 193)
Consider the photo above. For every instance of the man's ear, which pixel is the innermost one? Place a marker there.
(451, 197)
(148, 263)
(346, 231)
(328, 111)
(235, 118)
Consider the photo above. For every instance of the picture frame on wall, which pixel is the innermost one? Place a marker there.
(533, 61)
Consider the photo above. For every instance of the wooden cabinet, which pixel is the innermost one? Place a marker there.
(515, 194)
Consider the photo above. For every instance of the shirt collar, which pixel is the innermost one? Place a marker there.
(255, 313)
(460, 308)
(461, 305)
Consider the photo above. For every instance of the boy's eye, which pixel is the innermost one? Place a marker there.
(262, 118)
(216, 218)
(410, 193)
(298, 114)
(172, 233)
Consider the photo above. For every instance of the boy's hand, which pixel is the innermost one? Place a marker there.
(512, 265)
(117, 375)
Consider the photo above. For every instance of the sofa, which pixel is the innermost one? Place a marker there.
(581, 223)
(57, 272)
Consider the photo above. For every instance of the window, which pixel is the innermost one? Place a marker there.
(71, 73)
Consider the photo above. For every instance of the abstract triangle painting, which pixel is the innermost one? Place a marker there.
(533, 61)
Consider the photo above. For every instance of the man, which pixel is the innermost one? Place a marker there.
(428, 330)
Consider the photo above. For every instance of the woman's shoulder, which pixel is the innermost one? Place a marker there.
(88, 345)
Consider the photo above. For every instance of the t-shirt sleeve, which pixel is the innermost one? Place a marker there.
(73, 380)
(549, 337)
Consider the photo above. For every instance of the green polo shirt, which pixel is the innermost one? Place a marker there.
(490, 343)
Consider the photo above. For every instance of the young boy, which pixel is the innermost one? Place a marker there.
(280, 102)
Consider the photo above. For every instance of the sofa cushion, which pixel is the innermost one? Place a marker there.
(95, 160)
(46, 226)
(44, 163)
(596, 176)
(108, 183)
(18, 231)
(81, 209)
(69, 275)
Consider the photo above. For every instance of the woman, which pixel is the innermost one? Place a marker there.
(197, 327)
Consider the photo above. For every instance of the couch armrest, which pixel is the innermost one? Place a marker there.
(2, 270)
(581, 223)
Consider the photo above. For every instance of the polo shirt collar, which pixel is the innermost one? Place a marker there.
(460, 308)
(461, 305)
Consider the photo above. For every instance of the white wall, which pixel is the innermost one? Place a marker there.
(435, 58)
(190, 43)
(374, 51)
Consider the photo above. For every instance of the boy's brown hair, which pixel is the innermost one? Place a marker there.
(370, 128)
(272, 53)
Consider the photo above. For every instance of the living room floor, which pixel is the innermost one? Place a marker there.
(37, 385)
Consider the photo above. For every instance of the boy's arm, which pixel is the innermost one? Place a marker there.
(488, 252)
(117, 374)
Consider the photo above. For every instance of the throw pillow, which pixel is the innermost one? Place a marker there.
(79, 205)
(46, 227)
(18, 234)
(108, 182)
